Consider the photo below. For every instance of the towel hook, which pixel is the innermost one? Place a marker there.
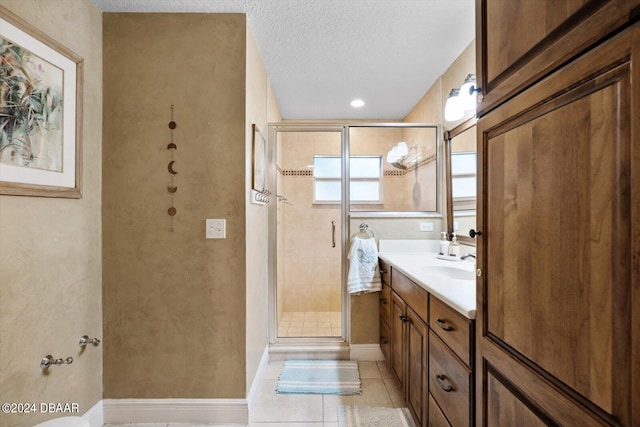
(364, 227)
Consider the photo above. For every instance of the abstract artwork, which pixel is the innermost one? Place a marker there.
(40, 113)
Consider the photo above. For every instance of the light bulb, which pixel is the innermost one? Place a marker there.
(403, 149)
(468, 93)
(453, 109)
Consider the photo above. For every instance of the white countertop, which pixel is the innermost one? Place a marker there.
(415, 263)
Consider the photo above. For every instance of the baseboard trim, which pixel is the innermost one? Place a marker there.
(203, 411)
(95, 415)
(252, 395)
(371, 352)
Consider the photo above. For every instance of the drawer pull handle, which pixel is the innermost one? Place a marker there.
(383, 301)
(440, 323)
(448, 388)
(383, 271)
(383, 340)
(404, 318)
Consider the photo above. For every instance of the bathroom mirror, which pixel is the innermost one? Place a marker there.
(460, 149)
(396, 169)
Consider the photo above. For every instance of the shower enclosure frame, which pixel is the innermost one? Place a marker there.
(345, 216)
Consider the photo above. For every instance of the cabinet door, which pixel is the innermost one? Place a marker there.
(385, 341)
(519, 42)
(417, 367)
(398, 316)
(560, 249)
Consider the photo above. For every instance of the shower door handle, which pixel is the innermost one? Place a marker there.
(333, 234)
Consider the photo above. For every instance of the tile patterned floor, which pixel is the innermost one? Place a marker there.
(379, 388)
(310, 324)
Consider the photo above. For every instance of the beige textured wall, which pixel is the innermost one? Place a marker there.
(50, 249)
(174, 302)
(261, 108)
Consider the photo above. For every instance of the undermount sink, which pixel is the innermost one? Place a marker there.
(451, 272)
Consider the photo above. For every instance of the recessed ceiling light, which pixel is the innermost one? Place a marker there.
(357, 103)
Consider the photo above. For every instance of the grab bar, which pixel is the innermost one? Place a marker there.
(333, 234)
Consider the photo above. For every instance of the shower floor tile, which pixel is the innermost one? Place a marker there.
(310, 324)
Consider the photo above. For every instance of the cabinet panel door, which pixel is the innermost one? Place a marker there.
(557, 214)
(385, 341)
(385, 303)
(519, 42)
(417, 366)
(398, 312)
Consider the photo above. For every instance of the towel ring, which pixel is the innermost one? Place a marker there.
(364, 228)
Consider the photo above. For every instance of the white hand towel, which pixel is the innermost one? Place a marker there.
(363, 269)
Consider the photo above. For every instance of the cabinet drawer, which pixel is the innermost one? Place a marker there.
(452, 327)
(385, 271)
(436, 417)
(385, 339)
(415, 297)
(385, 303)
(449, 382)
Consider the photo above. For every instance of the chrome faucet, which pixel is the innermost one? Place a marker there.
(465, 256)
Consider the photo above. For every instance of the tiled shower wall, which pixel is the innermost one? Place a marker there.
(309, 268)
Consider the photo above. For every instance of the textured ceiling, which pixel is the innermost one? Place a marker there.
(321, 54)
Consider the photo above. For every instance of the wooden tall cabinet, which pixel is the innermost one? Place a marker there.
(558, 318)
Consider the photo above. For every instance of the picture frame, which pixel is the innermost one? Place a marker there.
(41, 92)
(258, 160)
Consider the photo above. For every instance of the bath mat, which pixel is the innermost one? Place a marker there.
(320, 377)
(370, 416)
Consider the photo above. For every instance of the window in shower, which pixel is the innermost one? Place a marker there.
(365, 173)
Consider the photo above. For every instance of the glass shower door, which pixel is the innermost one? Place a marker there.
(309, 233)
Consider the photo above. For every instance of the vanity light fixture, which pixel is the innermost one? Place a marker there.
(462, 100)
(357, 103)
(397, 152)
(399, 155)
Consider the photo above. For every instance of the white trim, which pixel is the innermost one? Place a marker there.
(252, 395)
(202, 411)
(95, 415)
(366, 352)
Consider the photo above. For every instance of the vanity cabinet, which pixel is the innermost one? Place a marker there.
(422, 361)
(559, 187)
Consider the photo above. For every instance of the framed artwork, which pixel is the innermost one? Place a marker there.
(40, 113)
(259, 160)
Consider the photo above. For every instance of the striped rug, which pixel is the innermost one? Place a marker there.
(320, 377)
(370, 416)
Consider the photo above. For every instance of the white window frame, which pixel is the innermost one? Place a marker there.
(377, 179)
(468, 202)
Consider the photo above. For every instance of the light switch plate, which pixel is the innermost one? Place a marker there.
(216, 229)
(426, 226)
